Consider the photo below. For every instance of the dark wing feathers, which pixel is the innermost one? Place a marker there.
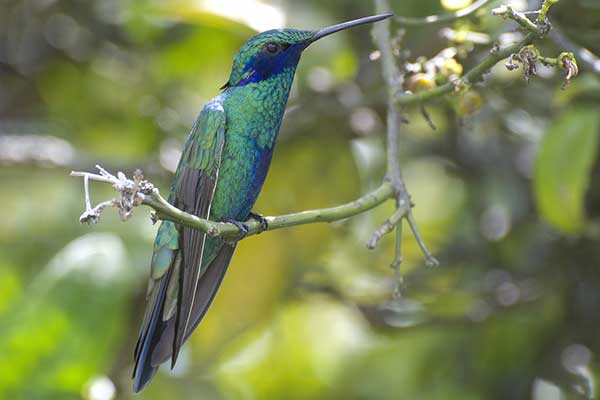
(192, 244)
(195, 189)
(163, 334)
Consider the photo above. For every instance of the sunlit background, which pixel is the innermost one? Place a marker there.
(505, 189)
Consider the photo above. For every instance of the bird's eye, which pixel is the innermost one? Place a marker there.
(272, 48)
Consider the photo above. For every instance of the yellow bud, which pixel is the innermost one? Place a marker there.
(419, 81)
(452, 67)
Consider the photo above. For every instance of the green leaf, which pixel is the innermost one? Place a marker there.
(562, 168)
(586, 84)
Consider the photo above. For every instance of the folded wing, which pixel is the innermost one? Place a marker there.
(183, 280)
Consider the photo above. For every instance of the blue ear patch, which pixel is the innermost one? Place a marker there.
(264, 65)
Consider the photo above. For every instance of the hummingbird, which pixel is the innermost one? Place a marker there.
(223, 165)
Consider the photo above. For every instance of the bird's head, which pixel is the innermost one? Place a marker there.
(273, 52)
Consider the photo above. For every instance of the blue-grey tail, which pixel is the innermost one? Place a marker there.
(151, 335)
(156, 341)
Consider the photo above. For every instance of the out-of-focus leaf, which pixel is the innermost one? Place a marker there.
(10, 287)
(562, 168)
(344, 65)
(298, 356)
(585, 84)
(62, 329)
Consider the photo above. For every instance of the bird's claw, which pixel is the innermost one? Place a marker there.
(244, 228)
(241, 226)
(264, 225)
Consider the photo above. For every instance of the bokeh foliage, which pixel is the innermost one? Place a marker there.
(505, 189)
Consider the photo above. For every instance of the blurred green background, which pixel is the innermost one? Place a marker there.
(506, 192)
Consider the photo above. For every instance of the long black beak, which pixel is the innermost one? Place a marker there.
(345, 25)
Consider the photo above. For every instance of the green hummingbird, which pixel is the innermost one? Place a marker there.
(221, 171)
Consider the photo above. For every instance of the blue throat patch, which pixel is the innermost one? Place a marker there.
(264, 66)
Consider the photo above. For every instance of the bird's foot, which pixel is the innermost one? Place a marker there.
(241, 226)
(264, 225)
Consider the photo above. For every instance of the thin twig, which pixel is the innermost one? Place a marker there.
(427, 117)
(393, 78)
(388, 226)
(437, 19)
(94, 177)
(429, 258)
(91, 215)
(86, 188)
(397, 262)
(130, 193)
(545, 7)
(508, 12)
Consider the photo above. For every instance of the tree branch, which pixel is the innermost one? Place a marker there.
(545, 7)
(507, 12)
(388, 226)
(394, 78)
(364, 203)
(472, 76)
(536, 30)
(140, 191)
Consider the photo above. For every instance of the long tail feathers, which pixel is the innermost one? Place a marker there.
(151, 332)
(208, 285)
(155, 343)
